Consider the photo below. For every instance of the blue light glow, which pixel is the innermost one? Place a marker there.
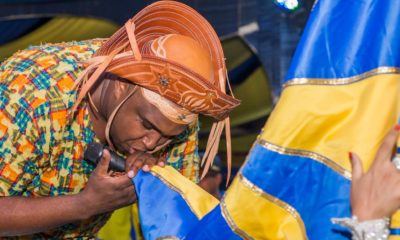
(288, 5)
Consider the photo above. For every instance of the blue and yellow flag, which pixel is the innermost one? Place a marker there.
(173, 207)
(341, 94)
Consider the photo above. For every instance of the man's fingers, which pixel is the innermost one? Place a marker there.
(161, 162)
(134, 163)
(386, 149)
(142, 161)
(130, 161)
(150, 160)
(146, 168)
(138, 164)
(131, 194)
(131, 174)
(127, 196)
(356, 166)
(123, 182)
(102, 166)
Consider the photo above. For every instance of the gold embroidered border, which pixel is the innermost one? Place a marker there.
(341, 81)
(265, 195)
(167, 238)
(231, 223)
(292, 211)
(174, 188)
(304, 153)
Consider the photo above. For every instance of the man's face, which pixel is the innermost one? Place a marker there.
(140, 126)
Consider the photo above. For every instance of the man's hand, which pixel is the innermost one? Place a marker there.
(376, 194)
(141, 160)
(104, 192)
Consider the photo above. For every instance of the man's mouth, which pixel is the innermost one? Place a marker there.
(131, 150)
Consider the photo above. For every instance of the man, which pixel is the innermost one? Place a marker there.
(136, 92)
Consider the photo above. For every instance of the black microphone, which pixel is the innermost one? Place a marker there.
(94, 153)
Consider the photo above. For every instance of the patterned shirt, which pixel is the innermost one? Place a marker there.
(41, 145)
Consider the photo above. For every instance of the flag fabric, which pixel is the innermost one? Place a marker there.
(341, 94)
(170, 205)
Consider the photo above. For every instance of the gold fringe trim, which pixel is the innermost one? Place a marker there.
(174, 188)
(167, 238)
(341, 81)
(260, 192)
(304, 153)
(231, 223)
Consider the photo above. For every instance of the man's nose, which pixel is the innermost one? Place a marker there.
(151, 140)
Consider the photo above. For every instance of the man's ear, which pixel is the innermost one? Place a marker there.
(120, 87)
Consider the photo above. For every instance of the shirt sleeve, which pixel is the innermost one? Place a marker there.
(18, 139)
(183, 154)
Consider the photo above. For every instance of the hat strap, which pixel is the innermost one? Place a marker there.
(112, 116)
(214, 139)
(130, 29)
(87, 85)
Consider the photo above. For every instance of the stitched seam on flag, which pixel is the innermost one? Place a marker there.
(231, 223)
(305, 153)
(291, 210)
(341, 81)
(167, 238)
(174, 188)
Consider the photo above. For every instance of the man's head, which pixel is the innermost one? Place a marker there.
(175, 58)
(147, 120)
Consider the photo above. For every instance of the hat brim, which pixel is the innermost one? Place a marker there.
(174, 82)
(185, 88)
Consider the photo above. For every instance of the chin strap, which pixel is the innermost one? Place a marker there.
(112, 116)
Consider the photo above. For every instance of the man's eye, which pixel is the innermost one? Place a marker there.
(147, 126)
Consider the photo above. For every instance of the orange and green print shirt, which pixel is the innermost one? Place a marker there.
(41, 148)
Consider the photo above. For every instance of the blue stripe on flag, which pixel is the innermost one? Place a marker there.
(395, 231)
(212, 227)
(348, 38)
(162, 211)
(317, 192)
